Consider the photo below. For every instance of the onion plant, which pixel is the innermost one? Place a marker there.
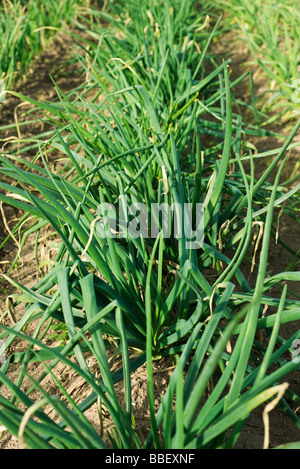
(271, 35)
(159, 130)
(26, 28)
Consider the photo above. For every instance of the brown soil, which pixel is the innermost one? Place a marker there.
(40, 86)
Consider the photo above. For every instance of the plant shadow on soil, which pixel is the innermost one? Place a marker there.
(40, 86)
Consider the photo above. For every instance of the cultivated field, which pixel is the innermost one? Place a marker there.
(149, 229)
